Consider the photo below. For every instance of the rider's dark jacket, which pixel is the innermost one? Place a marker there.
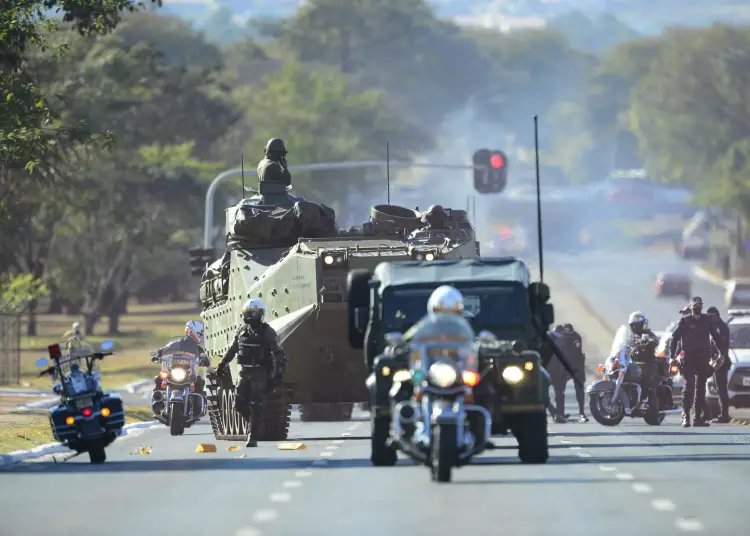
(184, 345)
(250, 346)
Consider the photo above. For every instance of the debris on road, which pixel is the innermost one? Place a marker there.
(233, 448)
(291, 446)
(205, 447)
(144, 451)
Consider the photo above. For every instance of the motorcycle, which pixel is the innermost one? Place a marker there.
(87, 419)
(432, 410)
(177, 404)
(619, 392)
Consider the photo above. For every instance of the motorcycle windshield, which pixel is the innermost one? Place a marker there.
(177, 360)
(622, 337)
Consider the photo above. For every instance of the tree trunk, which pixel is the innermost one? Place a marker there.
(31, 319)
(113, 325)
(55, 305)
(89, 323)
(118, 308)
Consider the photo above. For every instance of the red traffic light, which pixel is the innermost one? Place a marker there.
(497, 161)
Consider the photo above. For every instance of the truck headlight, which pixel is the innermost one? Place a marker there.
(512, 374)
(179, 374)
(442, 374)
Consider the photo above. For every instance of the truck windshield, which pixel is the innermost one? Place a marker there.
(493, 307)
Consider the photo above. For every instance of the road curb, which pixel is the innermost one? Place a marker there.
(741, 422)
(49, 449)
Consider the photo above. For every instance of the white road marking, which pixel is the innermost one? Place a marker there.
(264, 516)
(338, 442)
(624, 476)
(346, 434)
(575, 448)
(565, 442)
(584, 455)
(292, 484)
(302, 474)
(332, 447)
(248, 531)
(280, 496)
(689, 524)
(326, 454)
(663, 505)
(320, 462)
(640, 487)
(608, 468)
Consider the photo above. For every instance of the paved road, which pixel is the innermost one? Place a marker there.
(631, 479)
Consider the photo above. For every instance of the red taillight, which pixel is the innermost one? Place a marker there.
(87, 412)
(163, 374)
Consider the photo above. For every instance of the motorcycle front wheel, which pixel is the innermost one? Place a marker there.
(176, 419)
(444, 451)
(606, 411)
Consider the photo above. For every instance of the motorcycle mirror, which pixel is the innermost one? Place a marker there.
(43, 362)
(394, 338)
(107, 346)
(154, 353)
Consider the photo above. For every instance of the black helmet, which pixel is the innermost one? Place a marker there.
(568, 328)
(253, 311)
(434, 214)
(276, 146)
(696, 305)
(712, 311)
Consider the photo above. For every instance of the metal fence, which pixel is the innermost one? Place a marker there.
(10, 348)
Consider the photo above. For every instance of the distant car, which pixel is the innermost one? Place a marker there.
(739, 372)
(737, 293)
(667, 284)
(694, 252)
(662, 351)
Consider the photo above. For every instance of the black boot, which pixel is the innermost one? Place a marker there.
(701, 422)
(722, 419)
(685, 420)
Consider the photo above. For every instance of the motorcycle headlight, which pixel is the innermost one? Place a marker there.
(512, 374)
(402, 376)
(179, 374)
(442, 374)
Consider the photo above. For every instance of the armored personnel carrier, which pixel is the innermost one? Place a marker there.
(291, 254)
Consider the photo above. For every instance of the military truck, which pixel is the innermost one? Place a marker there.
(292, 256)
(502, 300)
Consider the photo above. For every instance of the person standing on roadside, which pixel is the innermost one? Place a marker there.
(721, 366)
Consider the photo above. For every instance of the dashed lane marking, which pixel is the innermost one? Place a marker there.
(663, 505)
(565, 442)
(345, 434)
(327, 454)
(280, 496)
(303, 474)
(248, 531)
(265, 516)
(624, 476)
(640, 487)
(689, 524)
(576, 447)
(292, 484)
(608, 468)
(338, 442)
(584, 455)
(332, 447)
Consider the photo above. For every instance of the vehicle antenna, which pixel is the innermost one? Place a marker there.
(388, 171)
(538, 200)
(474, 209)
(242, 169)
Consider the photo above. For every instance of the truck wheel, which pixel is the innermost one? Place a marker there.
(382, 455)
(531, 432)
(96, 452)
(444, 451)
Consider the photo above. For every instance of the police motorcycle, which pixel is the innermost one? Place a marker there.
(87, 419)
(178, 404)
(432, 402)
(619, 393)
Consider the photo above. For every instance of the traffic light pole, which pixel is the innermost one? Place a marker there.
(323, 166)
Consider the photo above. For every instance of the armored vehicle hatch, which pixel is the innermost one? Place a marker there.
(295, 259)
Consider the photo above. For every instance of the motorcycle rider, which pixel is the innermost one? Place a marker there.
(695, 333)
(571, 344)
(190, 343)
(263, 361)
(721, 366)
(435, 218)
(273, 167)
(75, 343)
(638, 323)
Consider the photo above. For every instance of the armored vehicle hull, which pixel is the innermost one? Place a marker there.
(301, 280)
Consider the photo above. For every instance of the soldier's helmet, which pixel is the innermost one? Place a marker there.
(253, 311)
(276, 146)
(435, 214)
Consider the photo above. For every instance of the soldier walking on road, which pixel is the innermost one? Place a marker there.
(571, 345)
(695, 332)
(721, 366)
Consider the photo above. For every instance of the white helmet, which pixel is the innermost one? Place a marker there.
(194, 330)
(76, 328)
(638, 317)
(447, 299)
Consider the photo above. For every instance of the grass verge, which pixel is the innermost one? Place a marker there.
(27, 435)
(145, 327)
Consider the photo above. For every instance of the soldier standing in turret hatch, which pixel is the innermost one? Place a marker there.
(273, 168)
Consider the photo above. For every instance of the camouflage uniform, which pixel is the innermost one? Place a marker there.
(273, 168)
